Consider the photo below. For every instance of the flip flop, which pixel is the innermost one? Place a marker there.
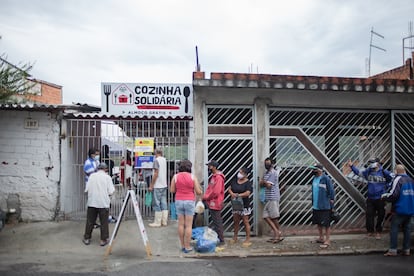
(246, 244)
(278, 240)
(271, 240)
(324, 246)
(319, 241)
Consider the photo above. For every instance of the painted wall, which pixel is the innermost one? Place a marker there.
(30, 163)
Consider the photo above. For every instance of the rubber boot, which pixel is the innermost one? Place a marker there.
(164, 219)
(157, 220)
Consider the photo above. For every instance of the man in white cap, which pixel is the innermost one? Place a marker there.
(99, 188)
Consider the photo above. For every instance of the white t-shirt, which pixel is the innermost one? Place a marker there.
(160, 164)
(99, 188)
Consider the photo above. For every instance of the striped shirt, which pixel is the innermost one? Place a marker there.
(273, 192)
(90, 166)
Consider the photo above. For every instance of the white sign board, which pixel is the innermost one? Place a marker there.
(147, 99)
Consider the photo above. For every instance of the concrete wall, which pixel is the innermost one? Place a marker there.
(30, 163)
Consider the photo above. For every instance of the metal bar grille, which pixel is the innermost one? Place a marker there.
(340, 136)
(231, 152)
(404, 140)
(171, 136)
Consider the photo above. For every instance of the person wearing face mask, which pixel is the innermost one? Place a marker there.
(377, 178)
(91, 166)
(242, 187)
(271, 211)
(214, 197)
(323, 196)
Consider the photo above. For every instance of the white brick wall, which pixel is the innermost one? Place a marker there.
(24, 156)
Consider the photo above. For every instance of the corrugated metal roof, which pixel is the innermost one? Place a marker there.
(50, 107)
(111, 117)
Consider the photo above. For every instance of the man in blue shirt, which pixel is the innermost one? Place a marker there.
(377, 178)
(323, 196)
(402, 197)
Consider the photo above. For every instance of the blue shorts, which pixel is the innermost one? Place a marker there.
(185, 207)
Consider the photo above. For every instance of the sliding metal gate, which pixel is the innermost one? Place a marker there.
(172, 136)
(231, 141)
(300, 137)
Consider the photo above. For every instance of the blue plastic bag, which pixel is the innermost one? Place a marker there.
(262, 195)
(173, 211)
(205, 246)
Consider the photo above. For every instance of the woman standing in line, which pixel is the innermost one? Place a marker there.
(241, 188)
(185, 186)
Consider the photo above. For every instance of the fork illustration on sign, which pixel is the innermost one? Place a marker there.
(107, 92)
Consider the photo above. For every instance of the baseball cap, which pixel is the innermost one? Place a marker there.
(213, 163)
(316, 167)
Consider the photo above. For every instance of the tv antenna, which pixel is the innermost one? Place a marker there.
(410, 42)
(373, 46)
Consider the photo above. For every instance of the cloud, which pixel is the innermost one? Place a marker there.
(79, 44)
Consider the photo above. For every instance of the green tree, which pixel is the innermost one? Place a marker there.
(15, 84)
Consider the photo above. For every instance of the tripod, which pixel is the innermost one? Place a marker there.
(130, 195)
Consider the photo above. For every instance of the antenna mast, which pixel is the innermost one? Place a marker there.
(373, 46)
(410, 36)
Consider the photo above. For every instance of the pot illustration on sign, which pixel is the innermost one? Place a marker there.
(122, 95)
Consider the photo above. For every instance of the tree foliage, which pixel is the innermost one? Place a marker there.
(14, 82)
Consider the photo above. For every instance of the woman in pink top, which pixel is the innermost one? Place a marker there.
(185, 186)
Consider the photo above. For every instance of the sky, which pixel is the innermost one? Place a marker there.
(79, 44)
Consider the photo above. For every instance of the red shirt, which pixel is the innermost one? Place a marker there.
(184, 186)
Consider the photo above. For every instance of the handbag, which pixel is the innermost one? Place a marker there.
(148, 199)
(335, 216)
(237, 204)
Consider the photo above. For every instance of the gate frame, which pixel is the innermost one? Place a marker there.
(253, 138)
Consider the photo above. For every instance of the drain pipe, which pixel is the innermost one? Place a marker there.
(61, 136)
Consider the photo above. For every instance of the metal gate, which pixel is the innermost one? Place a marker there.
(300, 137)
(170, 135)
(231, 141)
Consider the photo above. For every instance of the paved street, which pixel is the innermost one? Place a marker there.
(49, 248)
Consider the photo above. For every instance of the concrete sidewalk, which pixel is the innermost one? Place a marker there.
(58, 245)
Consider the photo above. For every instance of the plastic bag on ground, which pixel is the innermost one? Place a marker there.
(206, 239)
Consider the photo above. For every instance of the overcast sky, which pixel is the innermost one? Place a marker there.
(80, 43)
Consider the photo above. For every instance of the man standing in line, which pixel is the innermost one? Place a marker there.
(99, 189)
(90, 166)
(323, 196)
(159, 187)
(402, 197)
(271, 211)
(214, 197)
(377, 178)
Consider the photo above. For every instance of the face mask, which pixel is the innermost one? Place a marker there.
(373, 165)
(210, 171)
(240, 176)
(96, 157)
(268, 166)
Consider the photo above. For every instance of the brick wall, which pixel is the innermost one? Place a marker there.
(50, 94)
(29, 163)
(401, 73)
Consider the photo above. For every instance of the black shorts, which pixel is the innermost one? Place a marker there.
(321, 217)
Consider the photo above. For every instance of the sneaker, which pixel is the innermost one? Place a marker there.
(406, 252)
(188, 250)
(104, 242)
(390, 254)
(86, 241)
